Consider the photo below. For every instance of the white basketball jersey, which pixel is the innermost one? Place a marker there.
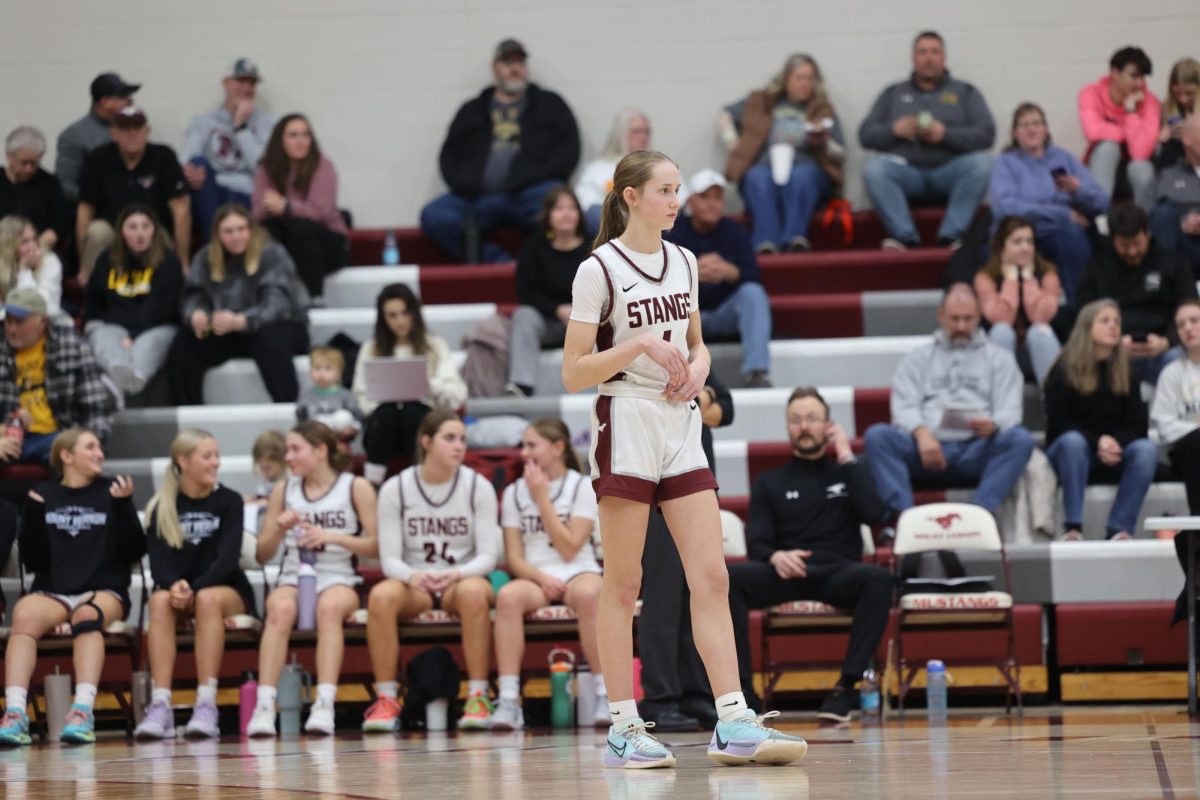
(333, 511)
(628, 294)
(437, 522)
(572, 496)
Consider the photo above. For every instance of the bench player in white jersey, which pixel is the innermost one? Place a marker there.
(548, 516)
(323, 509)
(635, 334)
(438, 541)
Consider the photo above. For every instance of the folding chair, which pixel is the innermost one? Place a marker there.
(810, 618)
(950, 527)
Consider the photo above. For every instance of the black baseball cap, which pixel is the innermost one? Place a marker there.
(510, 48)
(110, 84)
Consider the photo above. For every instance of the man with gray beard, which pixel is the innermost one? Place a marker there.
(505, 149)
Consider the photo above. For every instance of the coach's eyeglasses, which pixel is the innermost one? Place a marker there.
(811, 421)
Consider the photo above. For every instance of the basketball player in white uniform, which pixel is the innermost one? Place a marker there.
(438, 541)
(329, 513)
(548, 517)
(635, 334)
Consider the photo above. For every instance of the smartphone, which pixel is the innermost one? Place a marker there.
(1058, 172)
(1139, 337)
(1173, 121)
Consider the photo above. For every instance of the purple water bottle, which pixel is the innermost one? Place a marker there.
(306, 585)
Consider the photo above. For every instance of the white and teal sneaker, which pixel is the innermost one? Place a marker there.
(633, 748)
(745, 740)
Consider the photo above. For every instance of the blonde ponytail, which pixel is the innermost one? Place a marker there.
(633, 171)
(164, 500)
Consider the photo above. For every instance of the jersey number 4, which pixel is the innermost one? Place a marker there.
(432, 554)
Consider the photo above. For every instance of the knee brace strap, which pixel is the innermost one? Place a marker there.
(89, 625)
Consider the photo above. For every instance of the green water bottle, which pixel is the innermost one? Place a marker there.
(562, 700)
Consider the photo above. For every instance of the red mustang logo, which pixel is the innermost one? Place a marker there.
(946, 521)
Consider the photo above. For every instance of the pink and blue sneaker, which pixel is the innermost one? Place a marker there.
(80, 726)
(745, 740)
(632, 748)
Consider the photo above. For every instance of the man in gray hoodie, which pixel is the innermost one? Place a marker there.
(956, 413)
(932, 134)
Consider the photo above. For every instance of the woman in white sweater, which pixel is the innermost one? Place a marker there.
(400, 333)
(23, 263)
(1176, 409)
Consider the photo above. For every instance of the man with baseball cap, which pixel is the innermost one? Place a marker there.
(223, 146)
(110, 93)
(505, 149)
(733, 303)
(130, 169)
(49, 381)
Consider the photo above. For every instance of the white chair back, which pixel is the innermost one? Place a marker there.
(946, 526)
(733, 533)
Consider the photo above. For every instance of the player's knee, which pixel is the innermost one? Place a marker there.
(508, 601)
(712, 581)
(208, 603)
(624, 591)
(385, 598)
(281, 611)
(472, 598)
(587, 595)
(26, 622)
(330, 614)
(160, 604)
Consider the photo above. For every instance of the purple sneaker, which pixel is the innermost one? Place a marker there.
(203, 724)
(745, 740)
(158, 722)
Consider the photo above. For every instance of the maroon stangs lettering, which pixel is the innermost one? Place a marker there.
(658, 310)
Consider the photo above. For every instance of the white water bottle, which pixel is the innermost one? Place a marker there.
(585, 696)
(935, 691)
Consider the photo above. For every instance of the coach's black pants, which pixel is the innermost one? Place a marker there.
(671, 667)
(1185, 457)
(865, 588)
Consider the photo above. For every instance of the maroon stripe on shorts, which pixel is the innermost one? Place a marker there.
(698, 480)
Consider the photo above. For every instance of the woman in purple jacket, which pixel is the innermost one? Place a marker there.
(1048, 186)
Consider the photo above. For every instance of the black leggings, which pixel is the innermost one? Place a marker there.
(392, 429)
(317, 250)
(865, 588)
(271, 346)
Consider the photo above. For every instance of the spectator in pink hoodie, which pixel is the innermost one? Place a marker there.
(1120, 120)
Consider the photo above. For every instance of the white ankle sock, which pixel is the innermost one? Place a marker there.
(85, 694)
(265, 697)
(730, 706)
(387, 689)
(206, 693)
(16, 698)
(326, 693)
(477, 687)
(598, 682)
(161, 696)
(510, 687)
(622, 712)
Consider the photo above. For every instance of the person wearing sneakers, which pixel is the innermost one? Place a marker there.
(931, 134)
(1096, 422)
(548, 517)
(635, 334)
(438, 540)
(804, 543)
(733, 303)
(78, 536)
(194, 536)
(328, 518)
(131, 302)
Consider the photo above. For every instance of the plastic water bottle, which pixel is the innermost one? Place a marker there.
(868, 696)
(139, 694)
(247, 697)
(14, 428)
(585, 690)
(935, 691)
(391, 251)
(306, 586)
(58, 701)
(562, 704)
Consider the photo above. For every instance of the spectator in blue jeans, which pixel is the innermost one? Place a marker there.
(733, 302)
(931, 133)
(223, 146)
(505, 150)
(793, 120)
(1096, 422)
(1048, 186)
(956, 413)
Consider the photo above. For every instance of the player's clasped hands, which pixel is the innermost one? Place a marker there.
(552, 587)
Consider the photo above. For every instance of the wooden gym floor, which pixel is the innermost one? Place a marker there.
(1143, 752)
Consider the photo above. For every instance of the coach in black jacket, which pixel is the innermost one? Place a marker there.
(804, 543)
(506, 148)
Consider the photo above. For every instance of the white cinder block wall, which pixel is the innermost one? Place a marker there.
(381, 79)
